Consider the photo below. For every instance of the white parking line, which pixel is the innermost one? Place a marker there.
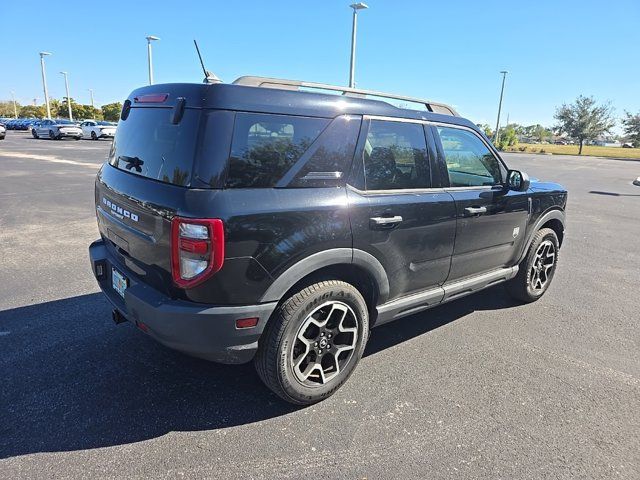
(52, 159)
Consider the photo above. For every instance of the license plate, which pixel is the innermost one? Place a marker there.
(118, 282)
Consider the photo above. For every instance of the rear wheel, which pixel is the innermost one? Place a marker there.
(52, 135)
(537, 269)
(34, 133)
(313, 342)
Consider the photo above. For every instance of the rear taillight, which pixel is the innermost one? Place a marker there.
(197, 249)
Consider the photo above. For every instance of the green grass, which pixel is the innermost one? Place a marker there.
(589, 150)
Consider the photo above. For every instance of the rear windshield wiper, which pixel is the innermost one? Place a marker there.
(132, 162)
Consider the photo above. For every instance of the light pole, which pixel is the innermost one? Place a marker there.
(356, 7)
(150, 38)
(15, 109)
(66, 84)
(91, 94)
(496, 136)
(44, 82)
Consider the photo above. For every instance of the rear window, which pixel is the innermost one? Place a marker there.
(149, 145)
(266, 146)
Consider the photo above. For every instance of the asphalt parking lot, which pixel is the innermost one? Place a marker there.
(479, 388)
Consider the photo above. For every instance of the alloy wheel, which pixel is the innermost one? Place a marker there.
(324, 344)
(541, 269)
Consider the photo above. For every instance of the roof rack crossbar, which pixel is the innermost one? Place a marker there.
(268, 82)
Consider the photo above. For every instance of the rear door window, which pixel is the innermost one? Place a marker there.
(265, 147)
(149, 145)
(395, 156)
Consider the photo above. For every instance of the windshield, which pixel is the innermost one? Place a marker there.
(109, 124)
(149, 145)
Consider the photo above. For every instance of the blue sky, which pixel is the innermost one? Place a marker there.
(451, 51)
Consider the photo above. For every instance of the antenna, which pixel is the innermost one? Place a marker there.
(209, 77)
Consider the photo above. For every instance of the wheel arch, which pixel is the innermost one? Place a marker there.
(553, 219)
(357, 267)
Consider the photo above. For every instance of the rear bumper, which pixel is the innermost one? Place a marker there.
(69, 134)
(199, 330)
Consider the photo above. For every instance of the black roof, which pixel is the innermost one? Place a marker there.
(224, 96)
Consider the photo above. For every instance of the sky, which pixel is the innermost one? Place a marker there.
(448, 51)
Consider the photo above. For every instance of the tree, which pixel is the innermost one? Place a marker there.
(486, 129)
(540, 133)
(517, 128)
(631, 125)
(537, 132)
(508, 137)
(111, 111)
(32, 111)
(584, 120)
(6, 108)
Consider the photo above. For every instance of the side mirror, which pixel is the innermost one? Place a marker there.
(518, 181)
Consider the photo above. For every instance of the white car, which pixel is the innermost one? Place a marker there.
(98, 129)
(56, 129)
(3, 131)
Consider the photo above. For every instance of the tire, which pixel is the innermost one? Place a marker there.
(77, 138)
(34, 133)
(537, 269)
(52, 135)
(340, 325)
(93, 135)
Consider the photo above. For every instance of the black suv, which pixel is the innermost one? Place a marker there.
(264, 220)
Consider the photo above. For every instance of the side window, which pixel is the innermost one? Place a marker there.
(330, 156)
(395, 156)
(470, 163)
(265, 147)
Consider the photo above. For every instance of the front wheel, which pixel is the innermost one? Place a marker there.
(34, 133)
(93, 135)
(52, 135)
(537, 269)
(313, 342)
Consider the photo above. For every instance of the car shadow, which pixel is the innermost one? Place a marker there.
(72, 380)
(614, 194)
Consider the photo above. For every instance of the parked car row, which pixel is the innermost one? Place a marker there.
(18, 123)
(62, 128)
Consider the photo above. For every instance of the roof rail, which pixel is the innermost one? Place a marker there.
(283, 84)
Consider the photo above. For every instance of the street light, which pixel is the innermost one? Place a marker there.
(150, 38)
(356, 7)
(66, 84)
(15, 109)
(91, 93)
(44, 82)
(496, 136)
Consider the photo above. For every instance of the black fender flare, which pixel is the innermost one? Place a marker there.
(554, 214)
(326, 258)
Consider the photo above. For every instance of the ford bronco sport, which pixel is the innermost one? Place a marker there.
(271, 220)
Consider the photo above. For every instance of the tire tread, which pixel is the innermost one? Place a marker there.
(268, 348)
(517, 286)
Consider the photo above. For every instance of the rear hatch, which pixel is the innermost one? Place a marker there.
(146, 180)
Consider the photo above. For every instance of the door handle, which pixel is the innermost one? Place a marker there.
(385, 222)
(475, 210)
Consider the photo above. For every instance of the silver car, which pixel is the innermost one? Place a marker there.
(56, 129)
(3, 131)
